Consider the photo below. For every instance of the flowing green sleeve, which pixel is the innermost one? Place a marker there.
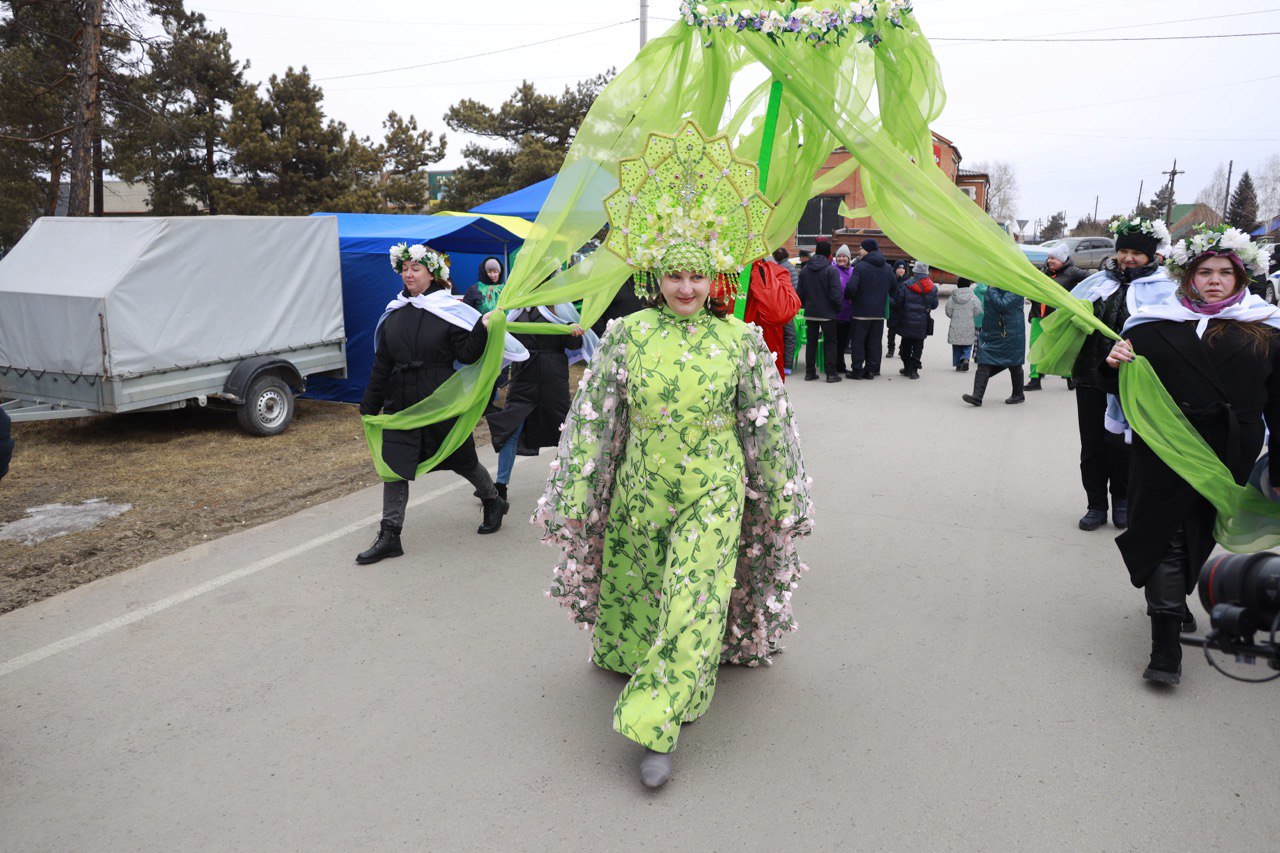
(573, 510)
(778, 510)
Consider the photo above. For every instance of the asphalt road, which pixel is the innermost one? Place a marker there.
(966, 676)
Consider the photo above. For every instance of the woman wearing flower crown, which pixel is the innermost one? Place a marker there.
(1215, 348)
(423, 334)
(678, 489)
(1131, 279)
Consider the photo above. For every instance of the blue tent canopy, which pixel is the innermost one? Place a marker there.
(369, 282)
(525, 203)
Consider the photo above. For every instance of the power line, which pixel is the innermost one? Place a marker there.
(487, 53)
(396, 21)
(1099, 41)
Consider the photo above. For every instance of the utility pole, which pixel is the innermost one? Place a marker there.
(1095, 207)
(1141, 185)
(1173, 177)
(86, 110)
(1226, 201)
(644, 22)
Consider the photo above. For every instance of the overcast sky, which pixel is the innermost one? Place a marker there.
(1078, 120)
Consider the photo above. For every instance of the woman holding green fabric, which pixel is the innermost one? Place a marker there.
(1216, 348)
(423, 336)
(678, 489)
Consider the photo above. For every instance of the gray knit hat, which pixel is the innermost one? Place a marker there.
(1060, 252)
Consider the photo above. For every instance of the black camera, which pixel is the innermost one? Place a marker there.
(1241, 593)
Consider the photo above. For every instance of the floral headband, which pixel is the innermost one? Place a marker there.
(1222, 241)
(435, 262)
(1154, 229)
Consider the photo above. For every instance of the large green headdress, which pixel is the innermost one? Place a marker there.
(687, 203)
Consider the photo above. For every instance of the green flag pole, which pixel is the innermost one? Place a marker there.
(766, 155)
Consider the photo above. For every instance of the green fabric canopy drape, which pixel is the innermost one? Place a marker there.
(875, 100)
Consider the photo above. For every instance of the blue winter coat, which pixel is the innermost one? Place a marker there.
(820, 289)
(1004, 329)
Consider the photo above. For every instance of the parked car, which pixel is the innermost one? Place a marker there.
(111, 315)
(1088, 253)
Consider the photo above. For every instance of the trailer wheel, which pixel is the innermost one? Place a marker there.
(268, 407)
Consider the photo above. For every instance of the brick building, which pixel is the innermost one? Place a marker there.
(822, 218)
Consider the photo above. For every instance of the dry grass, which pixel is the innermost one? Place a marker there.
(191, 475)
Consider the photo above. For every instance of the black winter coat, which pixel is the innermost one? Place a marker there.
(6, 444)
(1114, 312)
(820, 290)
(913, 303)
(538, 395)
(415, 355)
(869, 286)
(624, 302)
(1225, 389)
(1069, 276)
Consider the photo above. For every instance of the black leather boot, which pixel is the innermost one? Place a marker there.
(494, 509)
(386, 545)
(1165, 666)
(980, 380)
(1018, 395)
(502, 490)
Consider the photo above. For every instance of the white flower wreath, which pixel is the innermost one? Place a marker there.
(436, 262)
(1256, 258)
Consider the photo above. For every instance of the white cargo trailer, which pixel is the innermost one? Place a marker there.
(128, 314)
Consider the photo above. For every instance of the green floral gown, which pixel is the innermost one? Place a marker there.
(676, 496)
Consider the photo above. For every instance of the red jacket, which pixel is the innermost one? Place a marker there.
(771, 303)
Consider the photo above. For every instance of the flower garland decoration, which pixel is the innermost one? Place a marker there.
(1152, 227)
(435, 262)
(828, 25)
(687, 203)
(1223, 240)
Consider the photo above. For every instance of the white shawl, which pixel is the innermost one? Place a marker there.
(444, 306)
(565, 315)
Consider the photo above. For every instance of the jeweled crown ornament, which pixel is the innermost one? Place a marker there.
(687, 203)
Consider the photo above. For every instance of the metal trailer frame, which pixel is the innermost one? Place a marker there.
(28, 395)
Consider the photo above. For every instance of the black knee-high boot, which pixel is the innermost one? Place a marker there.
(1018, 396)
(1166, 593)
(980, 380)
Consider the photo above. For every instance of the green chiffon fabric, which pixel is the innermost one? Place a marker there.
(878, 102)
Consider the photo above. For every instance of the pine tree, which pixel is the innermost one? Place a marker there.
(1243, 210)
(1054, 228)
(1161, 203)
(406, 153)
(534, 132)
(293, 160)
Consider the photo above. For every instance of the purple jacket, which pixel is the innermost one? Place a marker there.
(846, 313)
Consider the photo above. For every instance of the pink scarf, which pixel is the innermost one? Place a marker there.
(1211, 309)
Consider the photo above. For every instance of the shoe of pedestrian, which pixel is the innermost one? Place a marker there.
(811, 377)
(1033, 385)
(964, 365)
(1016, 399)
(889, 354)
(502, 490)
(1120, 514)
(655, 768)
(786, 371)
(1093, 519)
(1071, 385)
(1165, 666)
(971, 400)
(913, 374)
(835, 377)
(904, 371)
(386, 545)
(1189, 625)
(870, 374)
(852, 375)
(494, 509)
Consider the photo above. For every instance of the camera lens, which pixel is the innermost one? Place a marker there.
(1251, 581)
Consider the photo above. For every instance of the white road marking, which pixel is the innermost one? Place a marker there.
(163, 604)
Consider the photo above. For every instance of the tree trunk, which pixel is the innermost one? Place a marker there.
(98, 169)
(55, 177)
(86, 109)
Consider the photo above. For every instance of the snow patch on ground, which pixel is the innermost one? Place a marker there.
(50, 520)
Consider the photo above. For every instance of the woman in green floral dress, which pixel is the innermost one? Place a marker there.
(677, 494)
